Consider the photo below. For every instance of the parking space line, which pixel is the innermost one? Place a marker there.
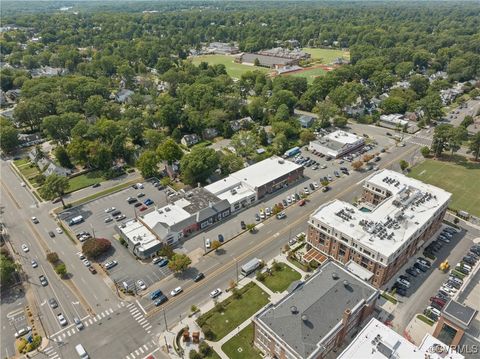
(136, 352)
(110, 311)
(128, 357)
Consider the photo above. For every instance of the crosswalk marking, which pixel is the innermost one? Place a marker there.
(136, 352)
(143, 320)
(122, 304)
(128, 357)
(64, 335)
(135, 310)
(86, 324)
(94, 319)
(59, 338)
(110, 310)
(138, 315)
(90, 321)
(141, 350)
(103, 315)
(145, 346)
(55, 356)
(99, 317)
(130, 305)
(148, 328)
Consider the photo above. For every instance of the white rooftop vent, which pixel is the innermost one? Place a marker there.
(167, 209)
(345, 283)
(293, 309)
(304, 317)
(335, 275)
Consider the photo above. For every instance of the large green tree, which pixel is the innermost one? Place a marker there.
(54, 186)
(8, 136)
(147, 163)
(169, 151)
(198, 165)
(474, 145)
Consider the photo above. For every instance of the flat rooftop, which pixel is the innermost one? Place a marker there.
(304, 317)
(169, 215)
(394, 221)
(138, 233)
(194, 200)
(460, 312)
(377, 341)
(339, 139)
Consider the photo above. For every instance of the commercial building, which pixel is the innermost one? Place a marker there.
(337, 144)
(377, 341)
(398, 216)
(221, 48)
(273, 62)
(393, 121)
(254, 182)
(316, 317)
(186, 213)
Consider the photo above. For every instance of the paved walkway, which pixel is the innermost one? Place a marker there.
(168, 337)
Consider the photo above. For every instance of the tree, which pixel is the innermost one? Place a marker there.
(216, 244)
(230, 162)
(251, 227)
(179, 262)
(244, 143)
(393, 104)
(94, 105)
(474, 145)
(441, 136)
(147, 164)
(280, 143)
(59, 127)
(367, 157)
(94, 247)
(166, 251)
(431, 106)
(8, 136)
(61, 270)
(306, 136)
(256, 62)
(169, 151)
(456, 136)
(425, 151)
(356, 165)
(419, 84)
(283, 113)
(204, 349)
(30, 113)
(61, 155)
(326, 110)
(467, 121)
(54, 186)
(403, 165)
(193, 354)
(340, 121)
(282, 97)
(199, 164)
(52, 257)
(7, 268)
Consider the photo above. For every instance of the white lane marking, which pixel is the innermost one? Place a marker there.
(103, 314)
(138, 315)
(141, 350)
(110, 310)
(143, 310)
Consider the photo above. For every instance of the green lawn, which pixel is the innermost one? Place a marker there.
(28, 169)
(236, 311)
(326, 55)
(309, 74)
(233, 69)
(279, 281)
(85, 180)
(241, 345)
(459, 178)
(212, 355)
(21, 162)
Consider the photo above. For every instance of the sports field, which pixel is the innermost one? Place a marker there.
(233, 69)
(310, 75)
(462, 179)
(326, 55)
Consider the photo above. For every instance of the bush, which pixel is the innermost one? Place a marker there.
(276, 266)
(313, 264)
(61, 269)
(123, 242)
(219, 307)
(21, 345)
(94, 247)
(193, 308)
(260, 276)
(236, 293)
(166, 251)
(193, 354)
(204, 349)
(209, 335)
(52, 257)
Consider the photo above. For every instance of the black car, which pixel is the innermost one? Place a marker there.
(404, 277)
(297, 196)
(285, 203)
(116, 213)
(473, 255)
(220, 238)
(419, 266)
(469, 260)
(51, 234)
(199, 277)
(96, 185)
(162, 299)
(401, 291)
(243, 225)
(312, 187)
(442, 295)
(475, 250)
(138, 204)
(412, 272)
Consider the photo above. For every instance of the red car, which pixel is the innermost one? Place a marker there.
(438, 301)
(301, 203)
(143, 208)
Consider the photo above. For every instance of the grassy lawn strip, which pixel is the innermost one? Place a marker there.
(234, 69)
(21, 162)
(425, 319)
(458, 177)
(310, 75)
(280, 280)
(85, 180)
(389, 297)
(298, 264)
(243, 340)
(235, 312)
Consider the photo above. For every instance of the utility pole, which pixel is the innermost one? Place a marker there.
(93, 231)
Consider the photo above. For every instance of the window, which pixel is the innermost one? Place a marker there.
(344, 239)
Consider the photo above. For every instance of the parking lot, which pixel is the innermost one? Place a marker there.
(129, 269)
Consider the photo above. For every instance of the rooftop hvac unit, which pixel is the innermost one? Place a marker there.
(167, 209)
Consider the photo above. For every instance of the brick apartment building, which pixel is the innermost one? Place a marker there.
(398, 217)
(317, 316)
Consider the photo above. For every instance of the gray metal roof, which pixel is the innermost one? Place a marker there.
(265, 60)
(305, 316)
(460, 312)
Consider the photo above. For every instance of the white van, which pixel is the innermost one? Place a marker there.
(81, 351)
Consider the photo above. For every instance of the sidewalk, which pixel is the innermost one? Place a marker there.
(168, 337)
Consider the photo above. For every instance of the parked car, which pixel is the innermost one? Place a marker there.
(78, 323)
(116, 213)
(220, 238)
(108, 220)
(421, 267)
(281, 215)
(138, 204)
(215, 293)
(424, 261)
(92, 270)
(163, 262)
(51, 234)
(22, 332)
(141, 284)
(25, 248)
(412, 272)
(35, 220)
(148, 202)
(257, 218)
(301, 203)
(199, 277)
(34, 263)
(404, 282)
(438, 301)
(110, 264)
(140, 195)
(58, 230)
(469, 260)
(208, 243)
(120, 217)
(110, 209)
(131, 200)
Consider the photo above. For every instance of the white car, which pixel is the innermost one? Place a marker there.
(108, 220)
(301, 235)
(58, 230)
(25, 248)
(86, 262)
(176, 291)
(289, 200)
(35, 220)
(141, 284)
(34, 263)
(315, 184)
(215, 293)
(292, 196)
(268, 212)
(449, 290)
(110, 209)
(61, 319)
(208, 244)
(434, 310)
(403, 282)
(81, 256)
(323, 167)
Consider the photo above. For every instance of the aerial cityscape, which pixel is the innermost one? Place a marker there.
(290, 179)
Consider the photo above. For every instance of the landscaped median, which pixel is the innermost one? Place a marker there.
(229, 314)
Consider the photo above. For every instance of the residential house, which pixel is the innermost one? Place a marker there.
(123, 95)
(190, 140)
(52, 168)
(210, 133)
(241, 124)
(306, 121)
